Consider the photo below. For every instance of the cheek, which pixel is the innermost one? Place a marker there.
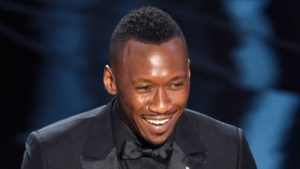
(133, 104)
(180, 97)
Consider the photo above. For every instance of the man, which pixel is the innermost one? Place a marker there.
(146, 125)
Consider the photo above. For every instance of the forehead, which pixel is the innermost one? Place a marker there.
(155, 59)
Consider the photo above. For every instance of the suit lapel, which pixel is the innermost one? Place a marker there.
(109, 162)
(181, 160)
(99, 151)
(177, 160)
(195, 160)
(188, 150)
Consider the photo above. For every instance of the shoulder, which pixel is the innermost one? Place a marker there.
(213, 133)
(69, 131)
(62, 142)
(219, 139)
(208, 123)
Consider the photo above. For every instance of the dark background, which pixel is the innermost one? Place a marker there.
(245, 57)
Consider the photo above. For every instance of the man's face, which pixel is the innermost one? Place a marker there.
(153, 83)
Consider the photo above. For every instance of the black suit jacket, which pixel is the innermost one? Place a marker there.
(85, 141)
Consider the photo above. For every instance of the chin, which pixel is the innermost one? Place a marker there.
(158, 140)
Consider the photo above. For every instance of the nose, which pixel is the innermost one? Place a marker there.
(161, 102)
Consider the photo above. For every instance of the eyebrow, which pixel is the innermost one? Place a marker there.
(179, 77)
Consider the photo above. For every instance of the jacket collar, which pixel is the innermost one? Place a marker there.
(100, 152)
(187, 134)
(188, 150)
(99, 141)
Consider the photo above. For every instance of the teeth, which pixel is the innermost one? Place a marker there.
(157, 122)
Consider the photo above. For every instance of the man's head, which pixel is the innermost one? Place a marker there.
(147, 25)
(149, 73)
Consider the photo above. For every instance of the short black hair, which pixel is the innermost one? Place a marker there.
(146, 24)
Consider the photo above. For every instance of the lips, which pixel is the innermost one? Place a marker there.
(157, 122)
(158, 119)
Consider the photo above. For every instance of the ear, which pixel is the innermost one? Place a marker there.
(109, 80)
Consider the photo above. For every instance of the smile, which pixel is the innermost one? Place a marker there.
(157, 122)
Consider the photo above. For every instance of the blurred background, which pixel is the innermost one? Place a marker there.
(245, 61)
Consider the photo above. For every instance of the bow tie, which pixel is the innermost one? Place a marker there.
(131, 150)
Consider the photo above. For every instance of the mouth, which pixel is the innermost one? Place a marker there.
(156, 128)
(157, 122)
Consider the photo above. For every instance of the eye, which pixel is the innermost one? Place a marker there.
(144, 89)
(176, 86)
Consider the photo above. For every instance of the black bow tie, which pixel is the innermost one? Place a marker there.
(131, 150)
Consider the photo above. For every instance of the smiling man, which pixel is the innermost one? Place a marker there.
(147, 124)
